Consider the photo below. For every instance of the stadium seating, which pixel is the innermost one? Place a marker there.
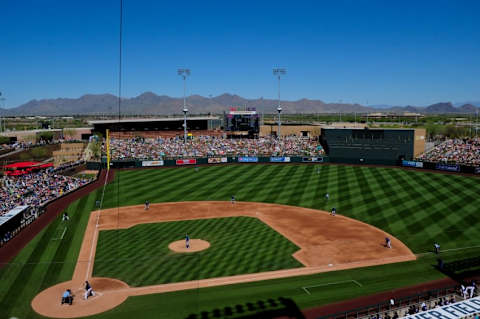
(205, 146)
(458, 151)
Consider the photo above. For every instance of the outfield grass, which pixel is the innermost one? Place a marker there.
(417, 207)
(239, 245)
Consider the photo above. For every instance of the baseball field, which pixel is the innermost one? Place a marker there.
(124, 242)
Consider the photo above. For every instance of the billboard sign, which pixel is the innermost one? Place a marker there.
(412, 164)
(457, 310)
(152, 163)
(477, 170)
(312, 159)
(280, 159)
(216, 160)
(186, 161)
(448, 167)
(248, 159)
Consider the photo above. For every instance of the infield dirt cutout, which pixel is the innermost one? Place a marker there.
(326, 243)
(179, 246)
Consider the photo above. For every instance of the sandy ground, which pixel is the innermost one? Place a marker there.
(195, 245)
(326, 243)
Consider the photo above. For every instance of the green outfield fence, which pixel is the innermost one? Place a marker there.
(191, 161)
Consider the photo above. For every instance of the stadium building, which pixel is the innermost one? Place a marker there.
(167, 126)
(372, 146)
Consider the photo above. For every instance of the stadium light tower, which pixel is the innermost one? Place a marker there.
(2, 99)
(184, 73)
(278, 72)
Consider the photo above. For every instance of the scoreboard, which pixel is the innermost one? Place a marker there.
(242, 122)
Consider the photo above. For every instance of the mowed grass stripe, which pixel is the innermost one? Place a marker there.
(419, 207)
(231, 240)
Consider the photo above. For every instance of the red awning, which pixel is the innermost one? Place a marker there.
(15, 173)
(22, 165)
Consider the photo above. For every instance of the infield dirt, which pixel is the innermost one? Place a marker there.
(326, 243)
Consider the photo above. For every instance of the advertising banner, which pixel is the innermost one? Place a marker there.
(312, 159)
(412, 164)
(448, 167)
(248, 159)
(216, 160)
(186, 161)
(477, 170)
(280, 159)
(152, 163)
(457, 310)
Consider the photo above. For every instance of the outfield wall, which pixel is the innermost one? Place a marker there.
(445, 167)
(207, 160)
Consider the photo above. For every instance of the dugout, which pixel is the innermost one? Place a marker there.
(12, 221)
(372, 146)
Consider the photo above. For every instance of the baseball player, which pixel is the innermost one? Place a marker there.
(88, 290)
(187, 241)
(436, 248)
(147, 205)
(334, 211)
(388, 242)
(327, 196)
(233, 199)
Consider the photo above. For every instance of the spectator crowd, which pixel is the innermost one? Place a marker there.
(35, 189)
(208, 146)
(458, 151)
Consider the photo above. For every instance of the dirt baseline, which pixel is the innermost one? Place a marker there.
(326, 243)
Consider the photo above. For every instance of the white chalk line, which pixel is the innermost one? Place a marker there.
(447, 250)
(305, 288)
(94, 239)
(62, 235)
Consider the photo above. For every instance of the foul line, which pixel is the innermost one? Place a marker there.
(94, 239)
(447, 250)
(331, 283)
(61, 236)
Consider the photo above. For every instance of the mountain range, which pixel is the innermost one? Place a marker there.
(152, 104)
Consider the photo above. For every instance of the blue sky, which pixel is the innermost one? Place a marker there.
(383, 52)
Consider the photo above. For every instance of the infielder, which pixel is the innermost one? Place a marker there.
(233, 199)
(147, 205)
(334, 211)
(388, 242)
(187, 241)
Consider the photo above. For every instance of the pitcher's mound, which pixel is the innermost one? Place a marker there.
(195, 245)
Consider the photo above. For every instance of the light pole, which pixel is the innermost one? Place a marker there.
(184, 73)
(476, 125)
(278, 72)
(3, 100)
